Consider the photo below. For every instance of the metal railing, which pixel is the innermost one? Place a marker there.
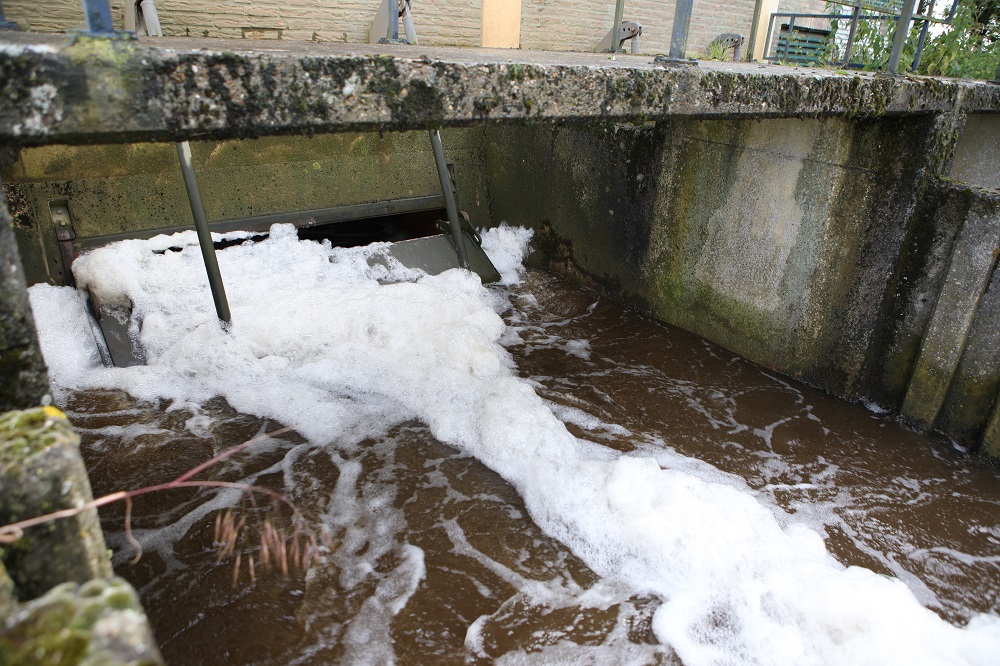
(786, 51)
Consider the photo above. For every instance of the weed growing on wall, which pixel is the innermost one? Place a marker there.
(968, 48)
(280, 536)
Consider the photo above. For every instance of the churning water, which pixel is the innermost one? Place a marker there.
(524, 473)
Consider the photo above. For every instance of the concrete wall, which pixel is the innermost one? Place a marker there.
(824, 249)
(562, 25)
(116, 188)
(25, 378)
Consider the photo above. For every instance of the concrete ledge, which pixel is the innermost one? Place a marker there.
(53, 90)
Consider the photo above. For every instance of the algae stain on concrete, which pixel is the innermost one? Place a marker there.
(750, 237)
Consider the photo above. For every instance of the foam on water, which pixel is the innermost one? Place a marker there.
(342, 351)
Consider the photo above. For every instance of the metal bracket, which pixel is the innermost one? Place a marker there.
(630, 30)
(384, 28)
(65, 235)
(98, 16)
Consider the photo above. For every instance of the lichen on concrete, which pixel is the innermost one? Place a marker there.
(98, 623)
(41, 471)
(118, 91)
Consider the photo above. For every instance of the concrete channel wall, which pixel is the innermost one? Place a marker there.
(838, 228)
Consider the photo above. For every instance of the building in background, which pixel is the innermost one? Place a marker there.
(556, 25)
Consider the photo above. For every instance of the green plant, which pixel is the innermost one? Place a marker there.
(967, 48)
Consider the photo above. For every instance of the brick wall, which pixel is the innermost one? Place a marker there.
(570, 25)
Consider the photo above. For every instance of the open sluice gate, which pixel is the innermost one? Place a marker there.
(428, 233)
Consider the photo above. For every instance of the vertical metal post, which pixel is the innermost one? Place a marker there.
(392, 33)
(204, 235)
(899, 38)
(449, 199)
(767, 40)
(4, 23)
(98, 13)
(788, 35)
(408, 28)
(929, 11)
(616, 40)
(850, 35)
(679, 36)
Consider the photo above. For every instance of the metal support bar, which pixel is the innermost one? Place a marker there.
(899, 38)
(408, 27)
(616, 27)
(449, 199)
(98, 13)
(851, 35)
(788, 37)
(923, 37)
(204, 235)
(679, 36)
(392, 32)
(4, 23)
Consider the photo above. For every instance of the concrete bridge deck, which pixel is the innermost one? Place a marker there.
(54, 89)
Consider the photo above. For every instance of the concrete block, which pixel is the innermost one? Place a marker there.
(969, 272)
(977, 158)
(41, 471)
(99, 622)
(25, 378)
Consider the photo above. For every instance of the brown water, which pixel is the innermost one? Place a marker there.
(427, 542)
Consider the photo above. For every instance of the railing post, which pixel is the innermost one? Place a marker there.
(899, 38)
(98, 14)
(616, 37)
(849, 47)
(788, 35)
(4, 23)
(679, 36)
(393, 30)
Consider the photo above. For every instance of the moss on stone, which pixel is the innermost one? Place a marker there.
(25, 433)
(98, 623)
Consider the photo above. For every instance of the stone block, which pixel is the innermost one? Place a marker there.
(41, 471)
(99, 623)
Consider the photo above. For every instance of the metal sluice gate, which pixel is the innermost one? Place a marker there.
(419, 238)
(417, 242)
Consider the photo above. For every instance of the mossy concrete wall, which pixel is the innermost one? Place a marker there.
(826, 249)
(25, 378)
(41, 471)
(59, 603)
(119, 188)
(774, 238)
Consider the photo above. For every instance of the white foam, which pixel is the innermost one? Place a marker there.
(319, 344)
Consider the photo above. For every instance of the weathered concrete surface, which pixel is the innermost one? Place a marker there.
(25, 378)
(778, 239)
(961, 303)
(971, 267)
(88, 91)
(99, 623)
(117, 188)
(41, 471)
(977, 158)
